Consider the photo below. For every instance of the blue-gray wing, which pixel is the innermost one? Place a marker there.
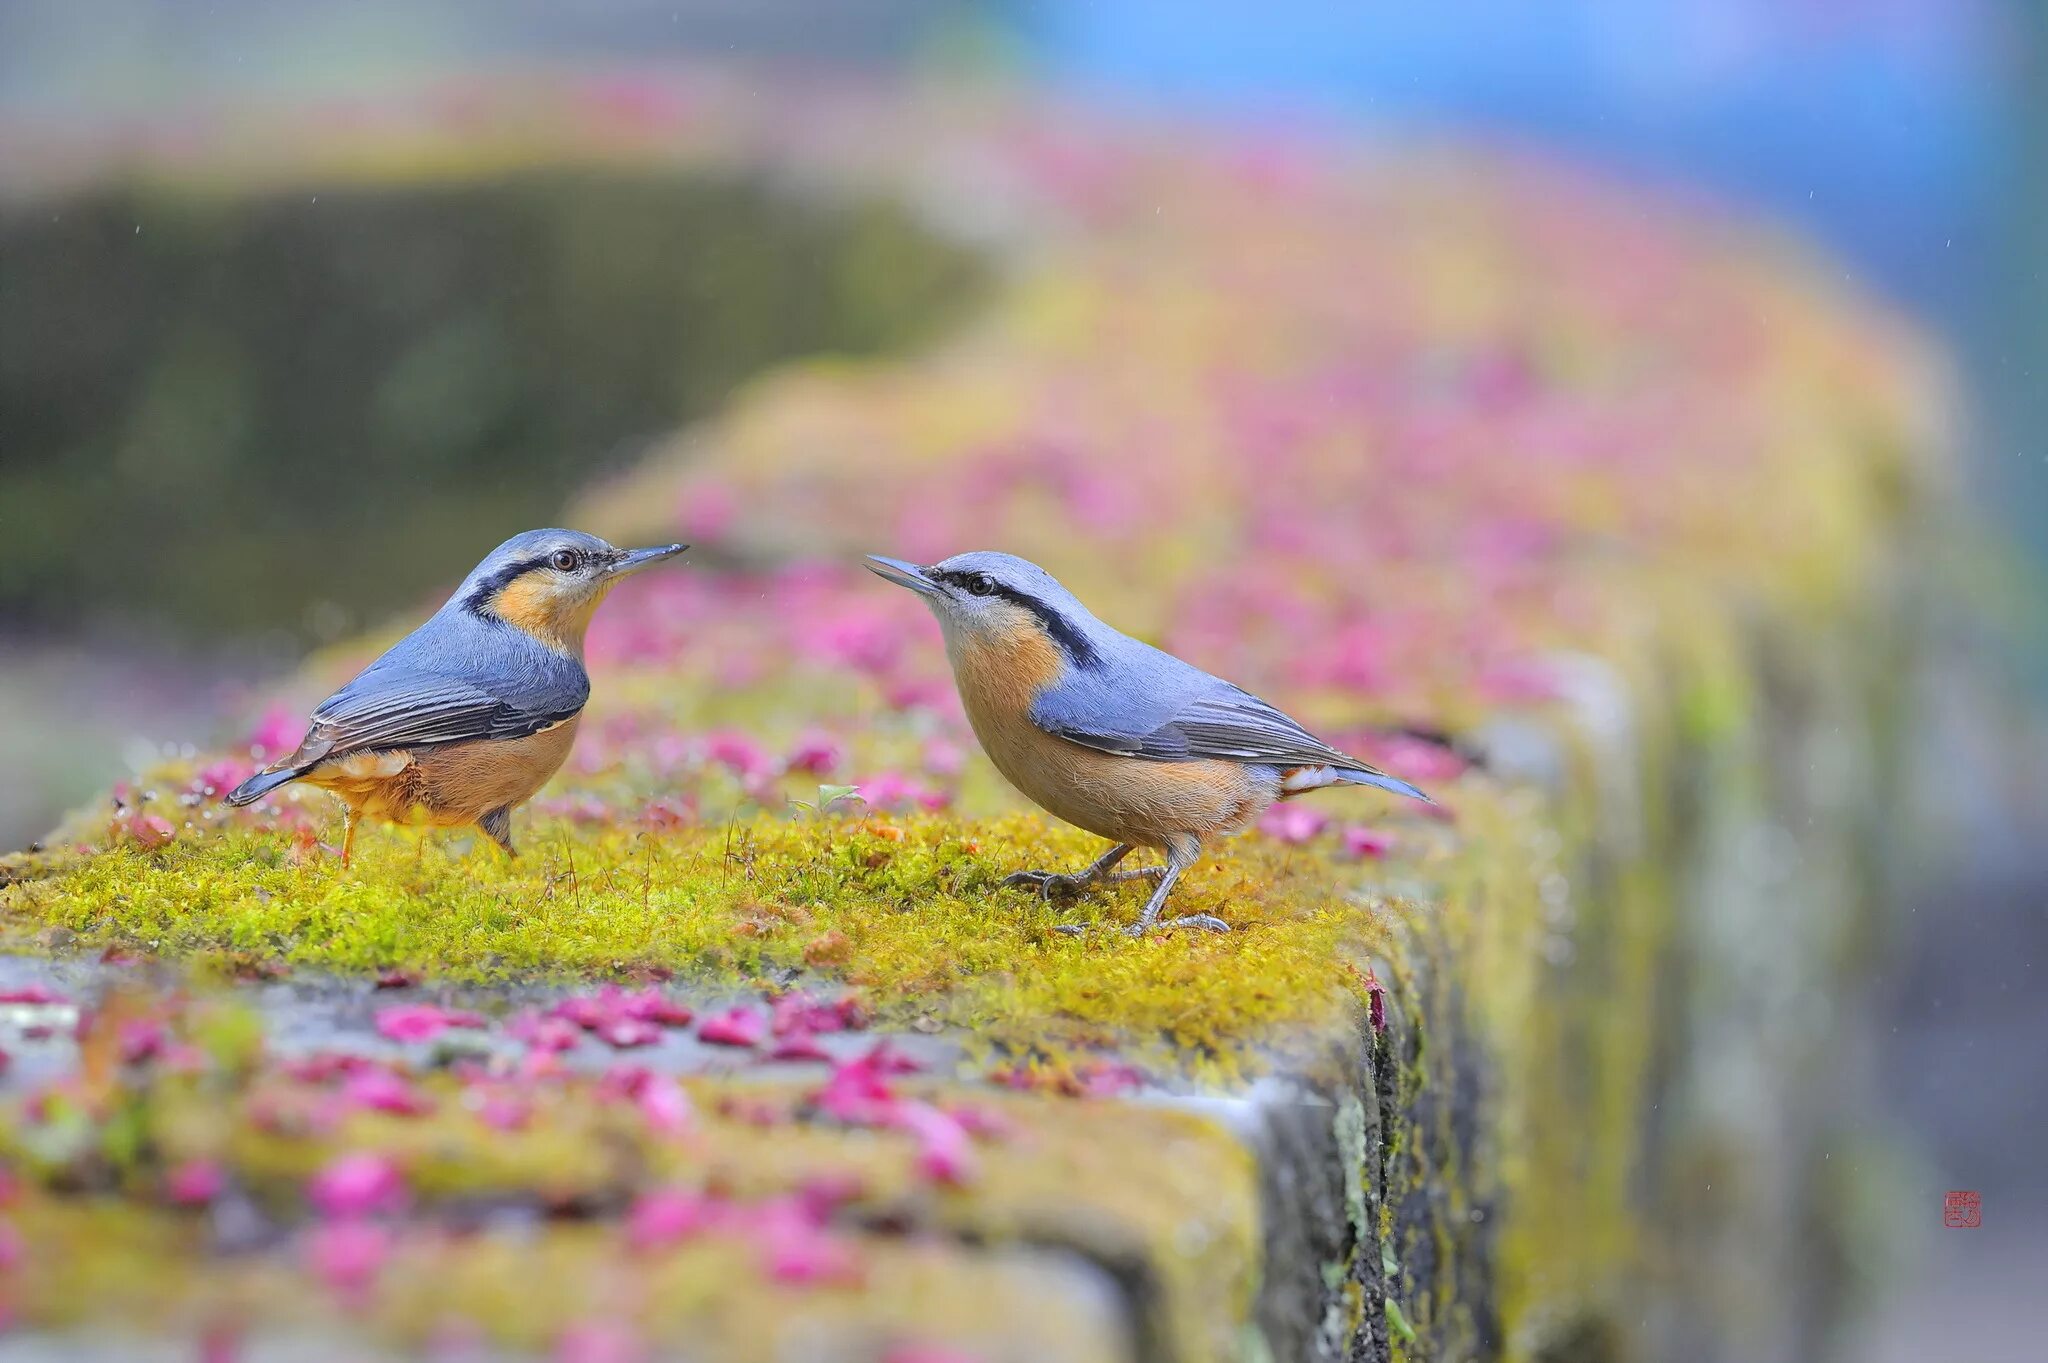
(1227, 725)
(1177, 719)
(407, 709)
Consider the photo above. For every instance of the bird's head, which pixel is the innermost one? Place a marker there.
(549, 582)
(986, 599)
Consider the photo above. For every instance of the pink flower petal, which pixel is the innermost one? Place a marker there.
(1293, 823)
(799, 1254)
(195, 1183)
(666, 1217)
(816, 753)
(741, 1026)
(650, 1005)
(945, 1153)
(800, 1048)
(624, 1033)
(665, 1106)
(421, 1021)
(357, 1184)
(1362, 841)
(380, 1090)
(544, 1033)
(347, 1255)
(276, 734)
(141, 1040)
(504, 1112)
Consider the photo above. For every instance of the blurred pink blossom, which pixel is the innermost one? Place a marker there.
(195, 1183)
(544, 1033)
(943, 757)
(741, 1026)
(276, 733)
(623, 1033)
(666, 1217)
(894, 791)
(945, 1152)
(665, 1106)
(358, 1183)
(347, 1255)
(1293, 822)
(421, 1021)
(381, 1090)
(816, 753)
(1363, 841)
(739, 754)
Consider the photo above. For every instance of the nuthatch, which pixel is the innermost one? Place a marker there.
(1111, 734)
(470, 714)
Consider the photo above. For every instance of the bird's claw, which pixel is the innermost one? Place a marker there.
(1070, 929)
(1049, 884)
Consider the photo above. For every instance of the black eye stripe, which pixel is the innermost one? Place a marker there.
(478, 602)
(1062, 630)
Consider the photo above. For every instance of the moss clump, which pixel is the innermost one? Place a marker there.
(909, 910)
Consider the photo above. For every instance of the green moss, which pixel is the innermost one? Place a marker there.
(911, 911)
(1109, 1183)
(521, 1288)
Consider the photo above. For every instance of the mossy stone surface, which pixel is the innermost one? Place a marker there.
(1574, 509)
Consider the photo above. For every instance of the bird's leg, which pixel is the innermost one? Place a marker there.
(1052, 884)
(497, 826)
(1137, 873)
(348, 833)
(1179, 856)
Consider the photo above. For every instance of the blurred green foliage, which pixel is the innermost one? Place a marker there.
(221, 410)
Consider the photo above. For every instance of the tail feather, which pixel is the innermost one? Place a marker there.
(260, 785)
(1366, 776)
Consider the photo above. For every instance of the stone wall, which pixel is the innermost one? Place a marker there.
(1585, 512)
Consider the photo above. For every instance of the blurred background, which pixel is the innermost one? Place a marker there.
(536, 330)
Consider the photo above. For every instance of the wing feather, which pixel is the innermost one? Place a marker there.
(403, 708)
(1231, 725)
(1226, 724)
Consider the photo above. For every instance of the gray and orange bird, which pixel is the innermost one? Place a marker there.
(1110, 734)
(470, 714)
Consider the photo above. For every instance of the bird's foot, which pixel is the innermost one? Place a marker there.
(1205, 921)
(1062, 885)
(1049, 884)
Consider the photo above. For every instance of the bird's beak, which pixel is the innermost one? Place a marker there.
(636, 559)
(902, 574)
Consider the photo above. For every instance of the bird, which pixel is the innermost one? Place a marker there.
(1109, 733)
(462, 720)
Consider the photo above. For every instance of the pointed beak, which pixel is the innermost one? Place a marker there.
(902, 574)
(636, 559)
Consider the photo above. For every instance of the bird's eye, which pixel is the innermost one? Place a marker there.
(981, 584)
(565, 560)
